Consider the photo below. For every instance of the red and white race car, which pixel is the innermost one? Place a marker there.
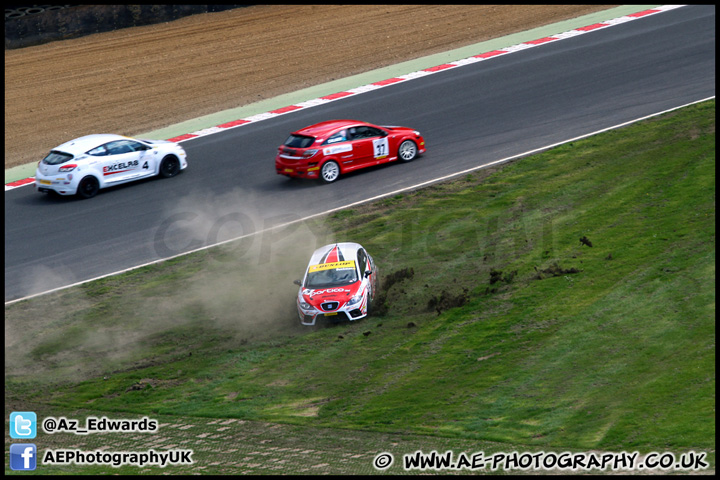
(326, 150)
(340, 283)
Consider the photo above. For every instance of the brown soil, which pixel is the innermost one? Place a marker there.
(145, 78)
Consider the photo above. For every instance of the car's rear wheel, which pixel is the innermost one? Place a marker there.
(88, 187)
(329, 172)
(407, 151)
(169, 167)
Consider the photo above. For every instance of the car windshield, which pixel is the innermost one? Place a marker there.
(299, 141)
(56, 158)
(333, 274)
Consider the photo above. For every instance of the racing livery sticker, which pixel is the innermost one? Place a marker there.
(350, 264)
(311, 293)
(120, 167)
(338, 149)
(380, 147)
(334, 255)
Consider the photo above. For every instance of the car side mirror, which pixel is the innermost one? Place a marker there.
(368, 273)
(298, 283)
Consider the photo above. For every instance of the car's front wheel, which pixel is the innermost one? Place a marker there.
(329, 172)
(88, 187)
(169, 167)
(407, 151)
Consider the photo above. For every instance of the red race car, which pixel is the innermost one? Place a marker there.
(340, 283)
(326, 150)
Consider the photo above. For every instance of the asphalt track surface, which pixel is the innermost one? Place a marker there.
(470, 116)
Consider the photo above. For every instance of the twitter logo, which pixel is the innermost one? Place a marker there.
(23, 425)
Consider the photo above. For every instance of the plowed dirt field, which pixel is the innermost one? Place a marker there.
(144, 78)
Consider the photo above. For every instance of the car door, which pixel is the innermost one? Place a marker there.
(123, 161)
(374, 277)
(147, 156)
(338, 146)
(364, 266)
(371, 145)
(380, 146)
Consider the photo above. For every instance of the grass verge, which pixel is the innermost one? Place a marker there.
(564, 301)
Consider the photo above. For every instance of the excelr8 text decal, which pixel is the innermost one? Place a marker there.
(120, 166)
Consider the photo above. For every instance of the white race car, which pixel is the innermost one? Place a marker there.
(340, 283)
(85, 165)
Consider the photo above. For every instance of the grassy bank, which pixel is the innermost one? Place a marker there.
(564, 301)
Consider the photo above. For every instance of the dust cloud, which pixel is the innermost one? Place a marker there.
(240, 291)
(250, 289)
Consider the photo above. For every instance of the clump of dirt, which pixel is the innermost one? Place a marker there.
(585, 241)
(497, 276)
(554, 270)
(142, 384)
(397, 276)
(380, 306)
(447, 301)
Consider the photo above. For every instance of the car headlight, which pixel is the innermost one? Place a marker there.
(354, 300)
(306, 306)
